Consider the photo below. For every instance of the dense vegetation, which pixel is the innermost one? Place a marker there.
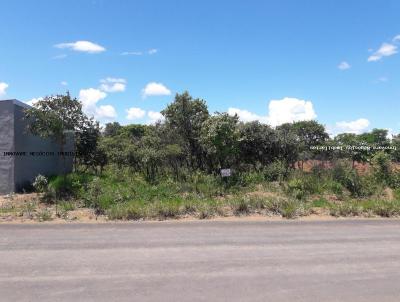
(172, 168)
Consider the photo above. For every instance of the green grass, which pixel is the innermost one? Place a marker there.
(125, 195)
(320, 203)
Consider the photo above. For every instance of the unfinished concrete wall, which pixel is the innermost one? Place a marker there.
(42, 155)
(32, 155)
(6, 145)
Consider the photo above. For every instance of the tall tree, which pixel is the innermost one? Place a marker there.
(56, 117)
(220, 139)
(257, 144)
(185, 116)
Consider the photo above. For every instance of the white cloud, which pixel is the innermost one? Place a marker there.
(344, 65)
(113, 85)
(356, 127)
(135, 113)
(105, 112)
(385, 50)
(131, 53)
(290, 110)
(390, 133)
(397, 38)
(155, 117)
(82, 46)
(33, 101)
(89, 97)
(246, 116)
(154, 88)
(383, 79)
(282, 111)
(152, 51)
(64, 83)
(3, 88)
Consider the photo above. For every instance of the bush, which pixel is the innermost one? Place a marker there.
(381, 167)
(349, 208)
(44, 215)
(126, 211)
(275, 171)
(303, 185)
(40, 184)
(292, 208)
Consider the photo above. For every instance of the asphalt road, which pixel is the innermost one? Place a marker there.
(202, 261)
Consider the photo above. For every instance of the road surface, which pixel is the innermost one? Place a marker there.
(344, 260)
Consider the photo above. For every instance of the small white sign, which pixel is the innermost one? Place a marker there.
(225, 172)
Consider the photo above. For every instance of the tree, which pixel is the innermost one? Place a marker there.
(88, 152)
(111, 129)
(257, 144)
(309, 134)
(56, 117)
(352, 147)
(220, 139)
(396, 145)
(288, 145)
(186, 116)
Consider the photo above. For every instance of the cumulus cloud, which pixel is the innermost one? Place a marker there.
(152, 51)
(282, 111)
(155, 117)
(3, 88)
(356, 127)
(64, 83)
(89, 99)
(344, 65)
(82, 46)
(113, 85)
(105, 112)
(33, 101)
(153, 89)
(385, 50)
(135, 113)
(246, 116)
(290, 110)
(396, 39)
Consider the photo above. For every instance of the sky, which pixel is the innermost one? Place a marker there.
(273, 61)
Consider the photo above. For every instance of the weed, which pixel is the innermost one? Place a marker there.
(44, 215)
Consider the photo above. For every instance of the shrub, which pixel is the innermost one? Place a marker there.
(303, 185)
(40, 184)
(320, 203)
(241, 207)
(348, 208)
(381, 167)
(275, 171)
(126, 211)
(44, 215)
(385, 208)
(67, 206)
(291, 209)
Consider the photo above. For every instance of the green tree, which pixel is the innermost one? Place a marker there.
(257, 144)
(353, 147)
(56, 117)
(185, 117)
(220, 139)
(111, 129)
(396, 145)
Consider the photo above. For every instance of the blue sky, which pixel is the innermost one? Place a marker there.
(274, 61)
